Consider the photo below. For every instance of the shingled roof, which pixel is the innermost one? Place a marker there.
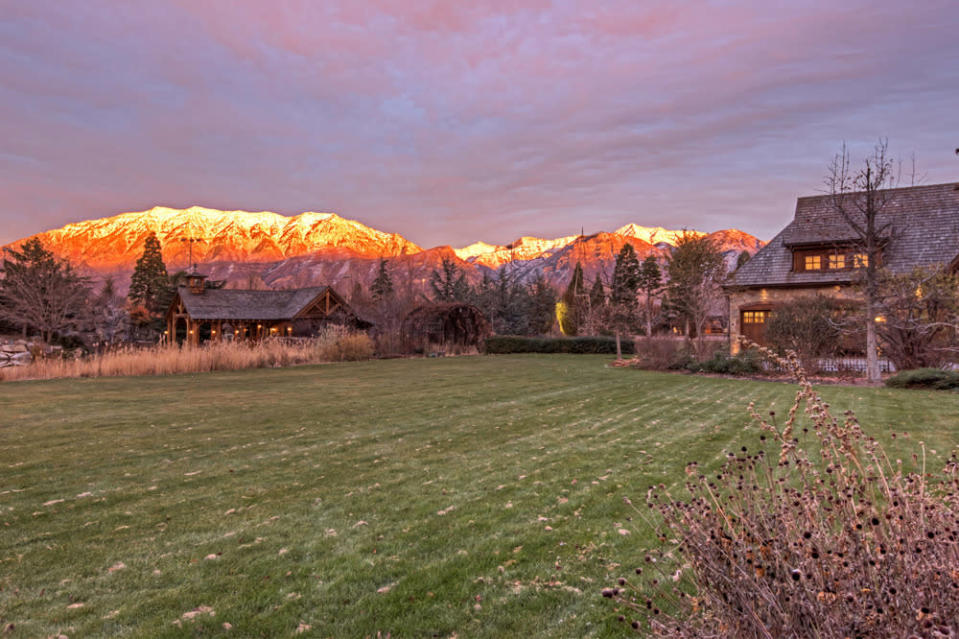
(924, 231)
(227, 304)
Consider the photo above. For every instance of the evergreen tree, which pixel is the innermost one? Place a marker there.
(542, 306)
(573, 302)
(150, 284)
(512, 302)
(382, 287)
(650, 283)
(449, 284)
(622, 298)
(626, 275)
(597, 295)
(483, 297)
(743, 258)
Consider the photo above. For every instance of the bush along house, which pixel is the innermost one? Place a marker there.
(819, 252)
(201, 313)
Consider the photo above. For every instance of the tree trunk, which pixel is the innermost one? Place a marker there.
(649, 319)
(872, 353)
(619, 347)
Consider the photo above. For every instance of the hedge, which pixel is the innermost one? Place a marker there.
(934, 378)
(502, 344)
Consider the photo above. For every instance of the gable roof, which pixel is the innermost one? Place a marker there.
(223, 304)
(924, 231)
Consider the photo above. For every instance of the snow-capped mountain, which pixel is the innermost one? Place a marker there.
(268, 249)
(115, 243)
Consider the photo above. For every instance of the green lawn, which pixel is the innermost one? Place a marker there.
(475, 497)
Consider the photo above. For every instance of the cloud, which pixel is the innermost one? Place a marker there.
(452, 122)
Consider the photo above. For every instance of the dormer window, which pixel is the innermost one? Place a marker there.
(828, 258)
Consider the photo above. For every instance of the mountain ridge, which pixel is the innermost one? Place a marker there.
(322, 247)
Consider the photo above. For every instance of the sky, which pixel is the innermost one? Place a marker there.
(451, 122)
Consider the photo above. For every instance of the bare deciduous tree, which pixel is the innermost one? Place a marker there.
(41, 292)
(860, 197)
(920, 317)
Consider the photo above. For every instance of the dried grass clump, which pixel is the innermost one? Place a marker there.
(340, 345)
(822, 538)
(333, 345)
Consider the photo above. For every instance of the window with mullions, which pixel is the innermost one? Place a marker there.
(812, 263)
(755, 317)
(837, 261)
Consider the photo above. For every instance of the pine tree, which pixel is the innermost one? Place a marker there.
(622, 298)
(382, 287)
(597, 295)
(542, 306)
(150, 284)
(571, 306)
(450, 284)
(650, 283)
(625, 277)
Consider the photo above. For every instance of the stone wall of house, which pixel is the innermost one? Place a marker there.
(775, 296)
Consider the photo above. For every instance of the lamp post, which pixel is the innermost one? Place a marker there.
(190, 241)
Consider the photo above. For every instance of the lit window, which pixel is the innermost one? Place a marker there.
(837, 261)
(860, 260)
(755, 317)
(812, 262)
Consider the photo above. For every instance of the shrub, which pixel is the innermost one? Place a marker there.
(664, 353)
(502, 344)
(784, 542)
(745, 363)
(934, 378)
(808, 326)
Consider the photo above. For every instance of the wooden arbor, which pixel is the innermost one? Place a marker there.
(444, 325)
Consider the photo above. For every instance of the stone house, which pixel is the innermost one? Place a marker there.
(200, 313)
(816, 253)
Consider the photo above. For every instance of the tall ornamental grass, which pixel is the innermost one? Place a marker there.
(814, 534)
(333, 345)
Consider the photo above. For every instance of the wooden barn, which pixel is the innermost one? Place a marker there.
(199, 313)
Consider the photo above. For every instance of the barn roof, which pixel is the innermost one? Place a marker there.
(924, 230)
(223, 304)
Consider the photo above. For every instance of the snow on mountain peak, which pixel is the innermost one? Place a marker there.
(654, 234)
(476, 249)
(116, 242)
